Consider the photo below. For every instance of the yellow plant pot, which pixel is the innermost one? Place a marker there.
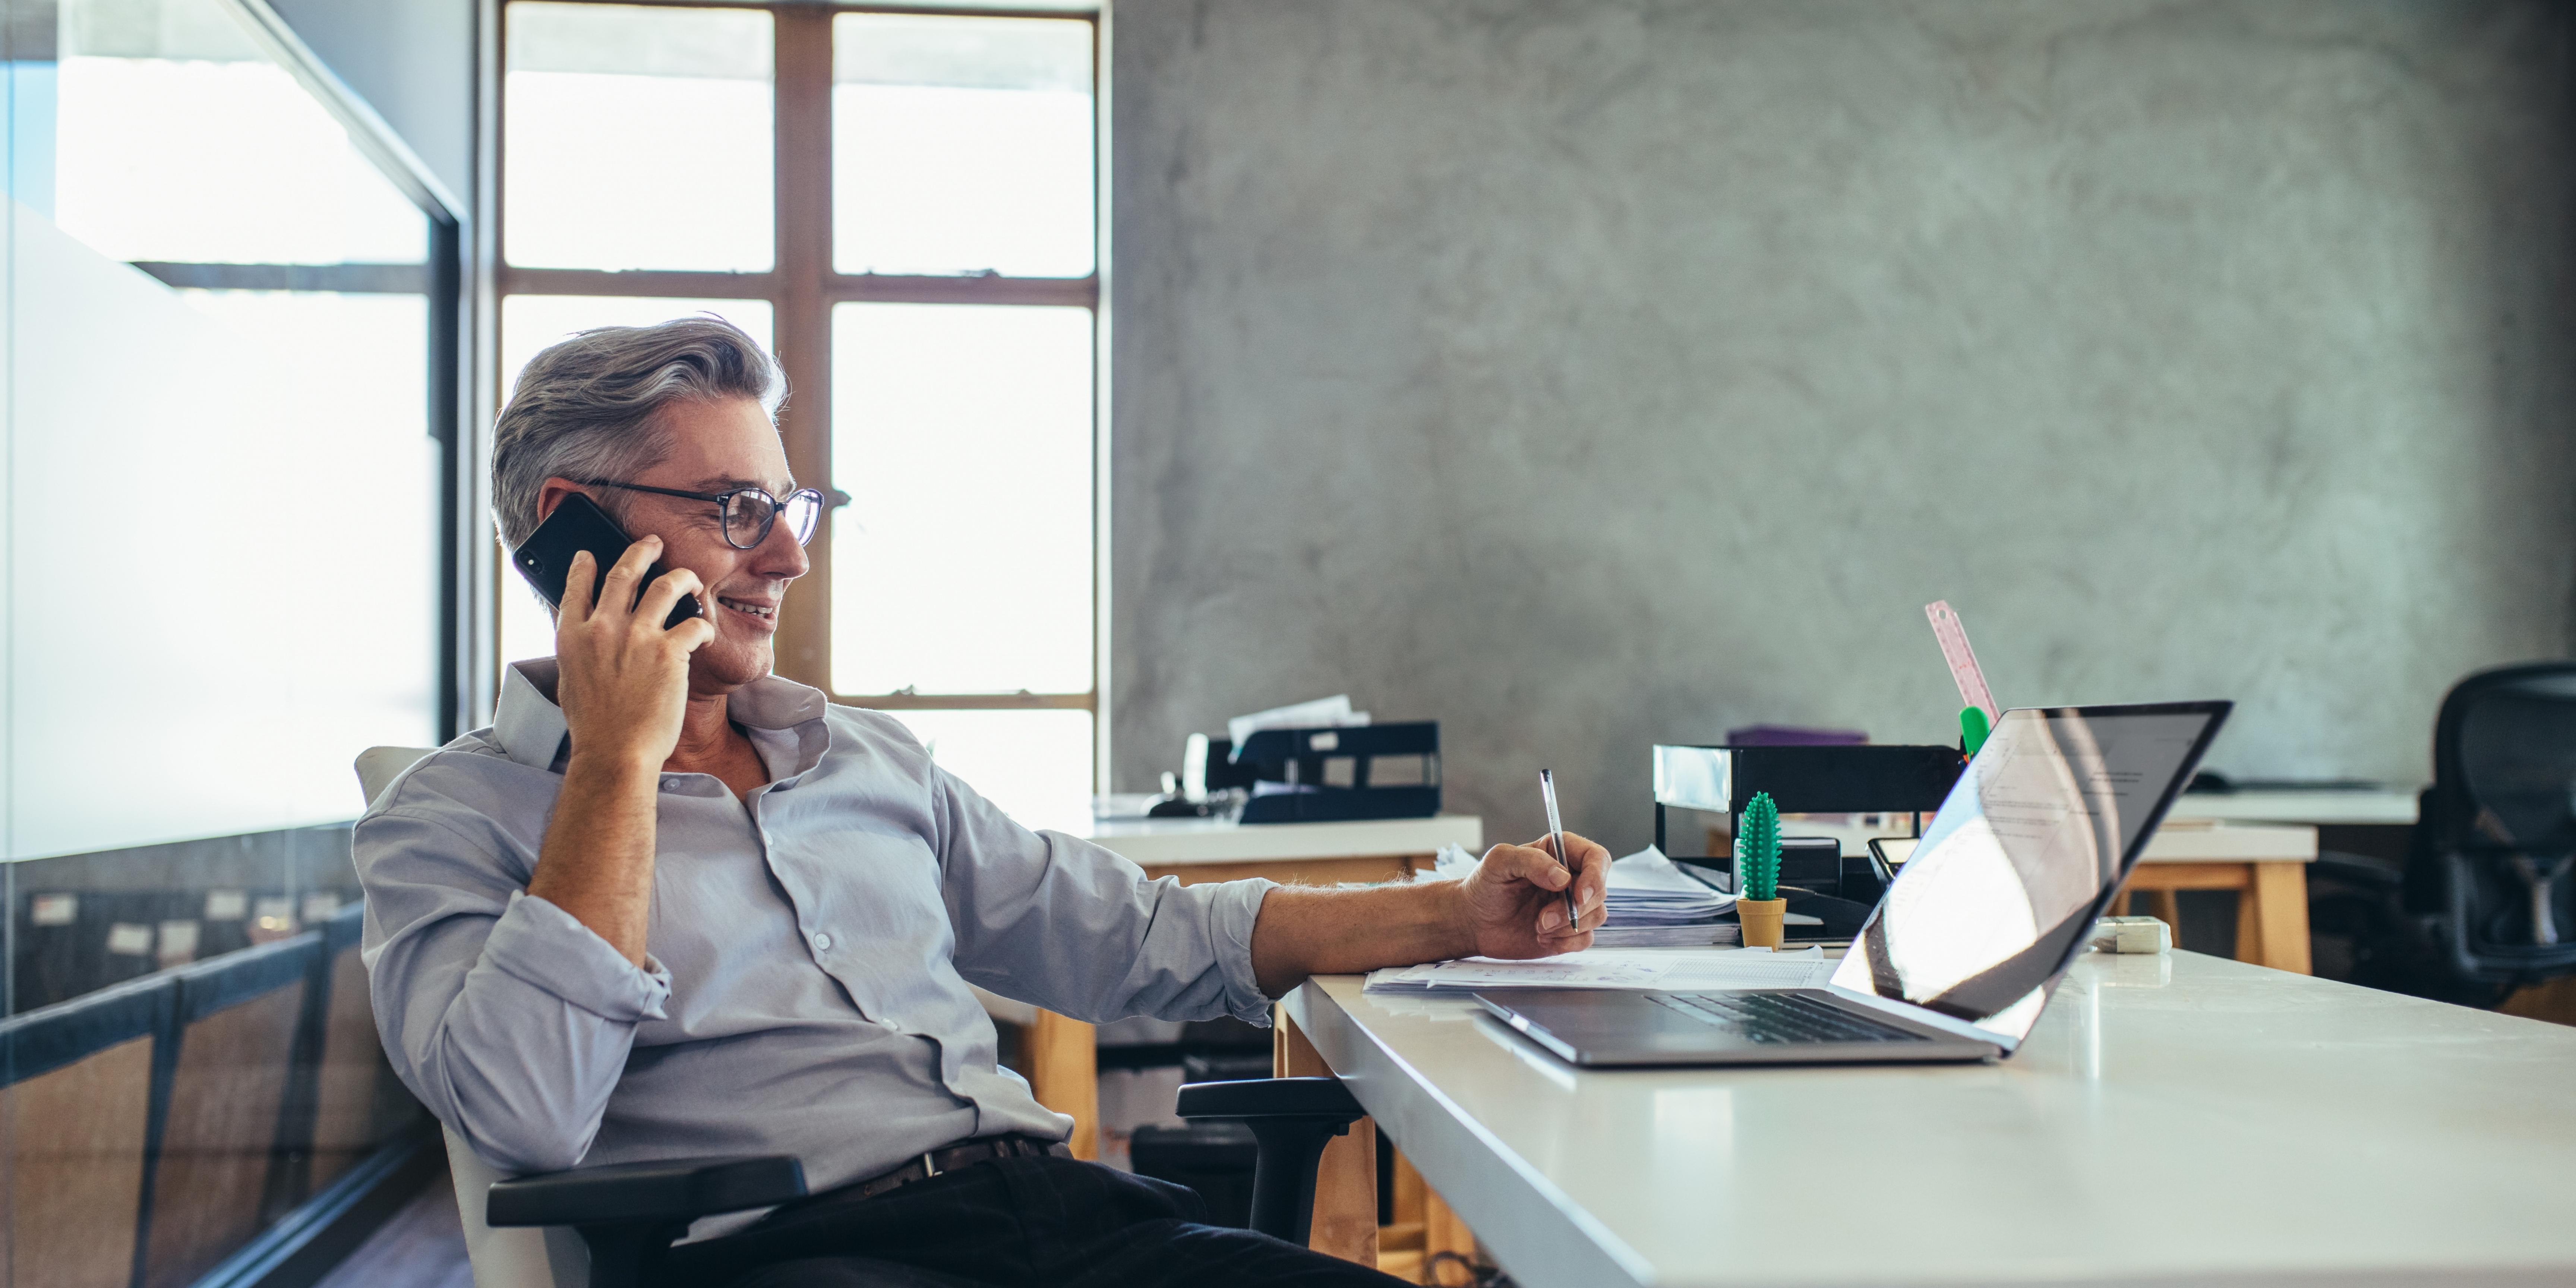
(1763, 919)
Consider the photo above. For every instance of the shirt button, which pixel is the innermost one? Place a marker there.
(822, 943)
(670, 784)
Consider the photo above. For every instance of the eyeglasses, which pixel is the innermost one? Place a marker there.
(748, 512)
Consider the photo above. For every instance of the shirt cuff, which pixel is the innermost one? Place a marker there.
(549, 949)
(1230, 918)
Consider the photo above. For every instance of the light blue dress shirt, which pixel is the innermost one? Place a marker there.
(809, 949)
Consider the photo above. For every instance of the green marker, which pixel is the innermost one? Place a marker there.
(1973, 728)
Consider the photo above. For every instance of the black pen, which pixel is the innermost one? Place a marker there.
(1556, 835)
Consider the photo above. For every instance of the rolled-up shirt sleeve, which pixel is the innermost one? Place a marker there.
(1066, 925)
(506, 1016)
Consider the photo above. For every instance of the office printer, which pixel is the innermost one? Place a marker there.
(1324, 774)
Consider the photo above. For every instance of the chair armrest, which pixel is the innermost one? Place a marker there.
(681, 1189)
(1324, 1098)
(2359, 869)
(1292, 1119)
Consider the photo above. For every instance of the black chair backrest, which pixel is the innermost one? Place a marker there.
(2495, 850)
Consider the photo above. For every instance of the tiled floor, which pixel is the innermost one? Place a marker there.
(423, 1246)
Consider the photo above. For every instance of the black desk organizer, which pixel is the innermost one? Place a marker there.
(1327, 775)
(1892, 779)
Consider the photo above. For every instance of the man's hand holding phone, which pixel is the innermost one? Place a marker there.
(623, 678)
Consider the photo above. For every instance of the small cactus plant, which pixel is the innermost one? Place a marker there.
(1757, 850)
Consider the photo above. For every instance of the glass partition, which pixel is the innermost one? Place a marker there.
(224, 486)
(228, 359)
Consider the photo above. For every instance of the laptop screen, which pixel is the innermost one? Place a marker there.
(2026, 851)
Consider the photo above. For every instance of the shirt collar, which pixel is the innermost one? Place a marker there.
(531, 729)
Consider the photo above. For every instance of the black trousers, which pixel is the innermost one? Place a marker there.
(1009, 1223)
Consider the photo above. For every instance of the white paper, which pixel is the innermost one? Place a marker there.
(1647, 889)
(1322, 713)
(320, 905)
(1687, 935)
(1692, 970)
(227, 905)
(126, 939)
(1452, 863)
(55, 909)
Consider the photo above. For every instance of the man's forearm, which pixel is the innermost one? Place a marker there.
(1304, 931)
(597, 863)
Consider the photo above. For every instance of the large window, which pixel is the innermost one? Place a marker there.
(903, 205)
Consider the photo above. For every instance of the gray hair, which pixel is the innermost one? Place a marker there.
(590, 407)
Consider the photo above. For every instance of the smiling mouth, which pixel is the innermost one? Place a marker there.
(759, 612)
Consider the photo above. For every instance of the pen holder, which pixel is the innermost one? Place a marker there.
(1762, 920)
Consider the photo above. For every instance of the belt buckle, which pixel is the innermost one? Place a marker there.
(929, 1164)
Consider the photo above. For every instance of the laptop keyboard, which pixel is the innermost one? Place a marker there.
(1777, 1018)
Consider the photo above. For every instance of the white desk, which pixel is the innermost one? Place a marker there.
(2320, 809)
(1156, 844)
(2221, 1124)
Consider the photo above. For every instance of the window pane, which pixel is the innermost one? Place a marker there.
(961, 144)
(963, 563)
(1035, 765)
(637, 137)
(531, 322)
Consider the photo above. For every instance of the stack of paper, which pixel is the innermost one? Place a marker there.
(1322, 713)
(1654, 904)
(1612, 968)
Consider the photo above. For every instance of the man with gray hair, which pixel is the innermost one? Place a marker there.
(672, 905)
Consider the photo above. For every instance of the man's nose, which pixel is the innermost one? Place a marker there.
(779, 555)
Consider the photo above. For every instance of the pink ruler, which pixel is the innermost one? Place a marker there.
(1953, 634)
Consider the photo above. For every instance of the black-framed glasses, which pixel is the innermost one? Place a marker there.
(748, 512)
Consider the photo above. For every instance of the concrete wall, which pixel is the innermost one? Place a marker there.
(1593, 373)
(412, 61)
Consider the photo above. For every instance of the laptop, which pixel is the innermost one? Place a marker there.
(1958, 959)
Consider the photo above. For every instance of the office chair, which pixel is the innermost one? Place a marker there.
(604, 1226)
(2496, 838)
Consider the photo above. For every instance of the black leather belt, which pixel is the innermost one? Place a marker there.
(968, 1154)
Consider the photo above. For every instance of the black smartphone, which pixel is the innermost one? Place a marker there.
(579, 524)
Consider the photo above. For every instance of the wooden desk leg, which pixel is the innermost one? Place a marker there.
(1442, 1231)
(2272, 917)
(1346, 1182)
(1063, 1059)
(2166, 906)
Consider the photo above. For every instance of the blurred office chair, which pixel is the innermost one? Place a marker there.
(2490, 865)
(2482, 902)
(603, 1226)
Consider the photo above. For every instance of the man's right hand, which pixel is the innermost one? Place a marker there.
(623, 679)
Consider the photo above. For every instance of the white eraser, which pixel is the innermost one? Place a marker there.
(2132, 935)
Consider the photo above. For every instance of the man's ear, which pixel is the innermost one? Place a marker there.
(551, 493)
